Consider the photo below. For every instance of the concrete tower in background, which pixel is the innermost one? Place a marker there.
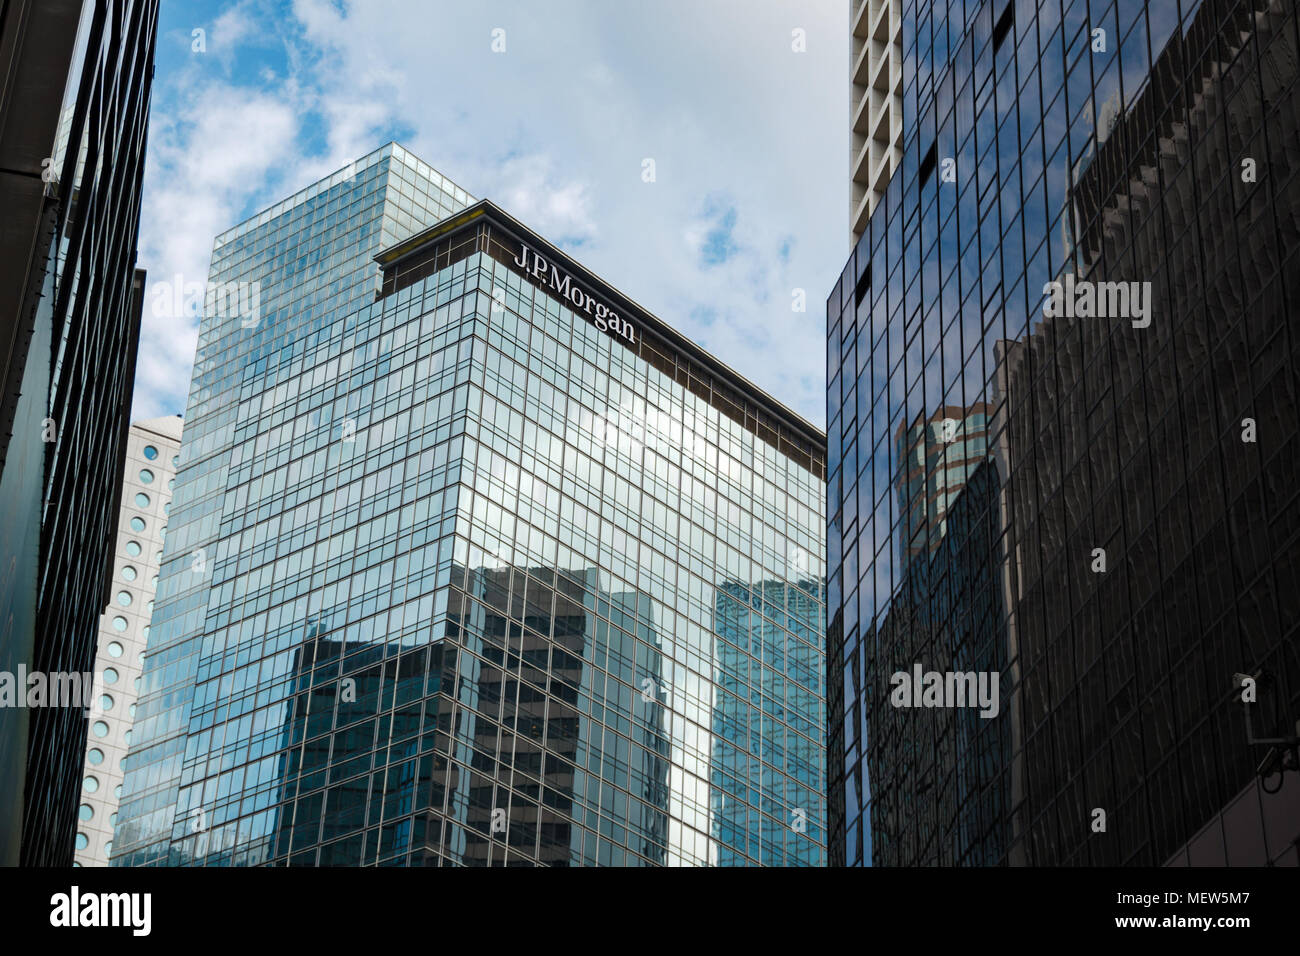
(875, 104)
(152, 457)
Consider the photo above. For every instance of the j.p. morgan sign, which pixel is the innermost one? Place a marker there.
(548, 275)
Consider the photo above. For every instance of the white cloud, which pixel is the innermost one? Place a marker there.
(535, 194)
(203, 161)
(555, 131)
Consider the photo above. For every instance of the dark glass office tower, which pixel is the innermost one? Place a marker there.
(1063, 441)
(501, 570)
(74, 109)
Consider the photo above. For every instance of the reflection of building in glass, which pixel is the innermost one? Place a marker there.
(947, 767)
(503, 499)
(538, 646)
(503, 777)
(1128, 550)
(936, 456)
(765, 633)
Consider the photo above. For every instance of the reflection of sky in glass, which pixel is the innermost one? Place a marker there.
(951, 317)
(312, 257)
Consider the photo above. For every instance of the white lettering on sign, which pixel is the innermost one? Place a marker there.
(548, 274)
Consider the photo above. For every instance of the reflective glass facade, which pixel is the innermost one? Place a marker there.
(489, 585)
(304, 263)
(1096, 503)
(74, 113)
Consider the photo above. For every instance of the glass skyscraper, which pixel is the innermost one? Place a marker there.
(498, 570)
(275, 281)
(1062, 443)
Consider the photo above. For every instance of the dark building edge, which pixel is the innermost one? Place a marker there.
(94, 337)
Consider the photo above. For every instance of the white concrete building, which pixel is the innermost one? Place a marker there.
(875, 104)
(152, 456)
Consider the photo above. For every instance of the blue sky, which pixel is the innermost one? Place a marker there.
(749, 140)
